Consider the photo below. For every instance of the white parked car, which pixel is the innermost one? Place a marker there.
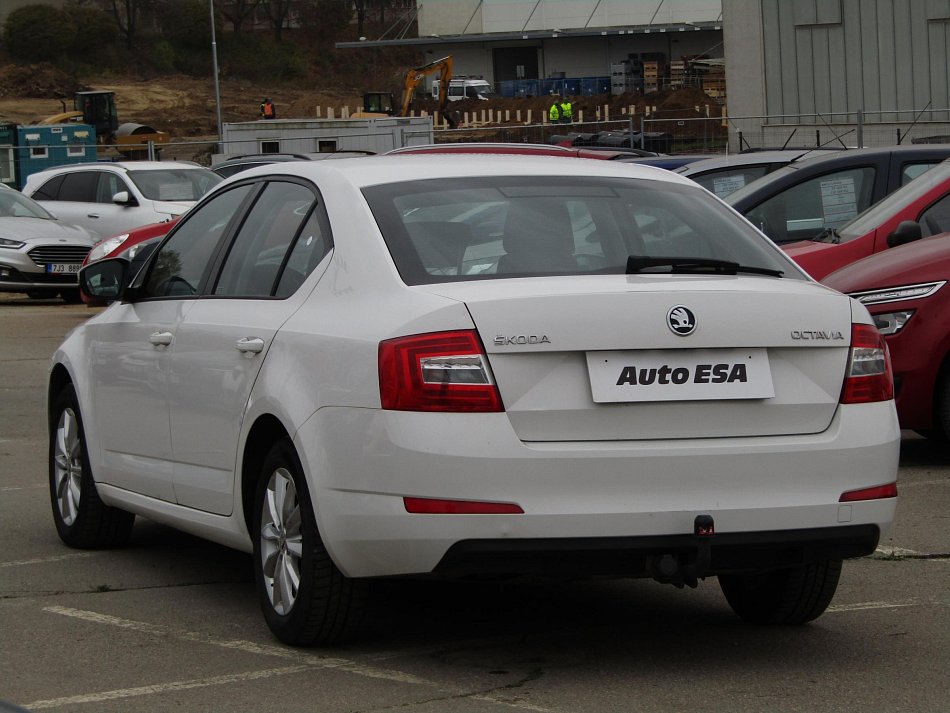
(111, 198)
(479, 364)
(39, 255)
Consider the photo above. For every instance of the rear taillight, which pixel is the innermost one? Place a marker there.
(869, 376)
(441, 371)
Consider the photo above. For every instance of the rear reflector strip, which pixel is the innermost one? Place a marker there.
(433, 506)
(878, 492)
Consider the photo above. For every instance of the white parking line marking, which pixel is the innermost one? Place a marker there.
(246, 646)
(894, 551)
(11, 488)
(165, 687)
(45, 560)
(915, 483)
(872, 605)
(309, 663)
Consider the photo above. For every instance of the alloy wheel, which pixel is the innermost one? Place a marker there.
(67, 466)
(281, 541)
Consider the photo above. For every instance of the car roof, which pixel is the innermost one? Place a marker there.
(119, 165)
(377, 170)
(830, 160)
(483, 147)
(748, 159)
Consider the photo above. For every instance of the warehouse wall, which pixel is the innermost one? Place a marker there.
(808, 56)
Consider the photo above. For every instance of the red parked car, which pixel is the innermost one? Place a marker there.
(130, 245)
(905, 289)
(919, 209)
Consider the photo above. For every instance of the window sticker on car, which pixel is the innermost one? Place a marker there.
(839, 202)
(681, 375)
(724, 185)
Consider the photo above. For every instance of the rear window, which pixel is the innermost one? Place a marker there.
(175, 184)
(450, 230)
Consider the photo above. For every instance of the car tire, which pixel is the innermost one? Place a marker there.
(82, 519)
(792, 595)
(941, 425)
(304, 597)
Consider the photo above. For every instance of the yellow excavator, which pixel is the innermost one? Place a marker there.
(98, 110)
(378, 104)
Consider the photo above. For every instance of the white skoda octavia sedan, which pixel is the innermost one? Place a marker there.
(453, 366)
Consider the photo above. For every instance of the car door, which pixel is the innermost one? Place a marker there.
(109, 218)
(132, 349)
(222, 342)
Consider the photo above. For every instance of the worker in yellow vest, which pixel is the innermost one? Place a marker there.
(566, 111)
(554, 113)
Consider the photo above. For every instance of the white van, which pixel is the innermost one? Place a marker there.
(466, 88)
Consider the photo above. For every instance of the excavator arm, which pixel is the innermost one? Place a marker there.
(416, 76)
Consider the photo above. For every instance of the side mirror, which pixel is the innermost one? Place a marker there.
(123, 198)
(104, 281)
(907, 232)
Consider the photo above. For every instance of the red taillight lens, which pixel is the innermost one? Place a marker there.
(434, 506)
(878, 492)
(442, 371)
(869, 377)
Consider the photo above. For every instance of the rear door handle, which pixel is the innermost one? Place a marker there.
(250, 345)
(160, 339)
(92, 215)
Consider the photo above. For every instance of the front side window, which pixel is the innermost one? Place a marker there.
(183, 263)
(257, 258)
(109, 185)
(480, 228)
(825, 202)
(936, 219)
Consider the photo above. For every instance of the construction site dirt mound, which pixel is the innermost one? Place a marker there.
(37, 81)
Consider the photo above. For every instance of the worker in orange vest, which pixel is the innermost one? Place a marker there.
(267, 109)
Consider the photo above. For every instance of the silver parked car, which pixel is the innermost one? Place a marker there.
(39, 255)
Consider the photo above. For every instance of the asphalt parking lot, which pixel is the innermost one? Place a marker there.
(172, 623)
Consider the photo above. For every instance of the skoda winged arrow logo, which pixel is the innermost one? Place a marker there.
(681, 321)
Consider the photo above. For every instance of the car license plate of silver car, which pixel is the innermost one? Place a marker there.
(63, 268)
(680, 375)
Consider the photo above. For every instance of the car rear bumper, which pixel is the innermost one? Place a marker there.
(362, 463)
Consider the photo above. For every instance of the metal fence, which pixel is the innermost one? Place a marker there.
(838, 130)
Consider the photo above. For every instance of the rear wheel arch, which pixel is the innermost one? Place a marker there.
(265, 432)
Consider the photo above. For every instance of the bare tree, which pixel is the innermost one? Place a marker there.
(237, 12)
(127, 14)
(278, 11)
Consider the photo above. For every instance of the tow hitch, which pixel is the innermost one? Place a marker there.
(674, 568)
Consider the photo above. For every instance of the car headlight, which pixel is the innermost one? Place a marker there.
(12, 244)
(892, 322)
(104, 247)
(898, 294)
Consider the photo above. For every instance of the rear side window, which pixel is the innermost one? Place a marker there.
(913, 170)
(49, 191)
(484, 228)
(728, 180)
(266, 250)
(79, 186)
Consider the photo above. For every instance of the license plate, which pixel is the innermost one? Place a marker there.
(681, 375)
(63, 268)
